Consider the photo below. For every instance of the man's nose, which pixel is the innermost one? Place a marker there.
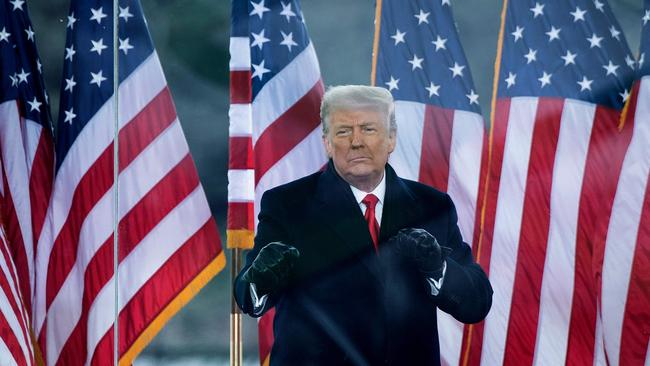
(357, 138)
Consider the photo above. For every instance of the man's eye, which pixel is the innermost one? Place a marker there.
(369, 129)
(342, 132)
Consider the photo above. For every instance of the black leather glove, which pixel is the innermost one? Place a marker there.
(270, 269)
(421, 248)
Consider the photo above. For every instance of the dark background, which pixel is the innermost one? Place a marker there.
(191, 38)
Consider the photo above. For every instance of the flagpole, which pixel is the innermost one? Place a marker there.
(235, 313)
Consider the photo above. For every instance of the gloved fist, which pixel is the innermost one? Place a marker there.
(270, 269)
(421, 248)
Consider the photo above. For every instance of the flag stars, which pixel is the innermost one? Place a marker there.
(579, 14)
(531, 55)
(599, 5)
(398, 37)
(22, 77)
(569, 58)
(125, 45)
(594, 41)
(624, 95)
(518, 33)
(39, 66)
(614, 32)
(69, 84)
(69, 116)
(18, 4)
(287, 40)
(445, 2)
(4, 35)
(433, 89)
(629, 61)
(511, 79)
(422, 17)
(98, 14)
(98, 46)
(457, 70)
(537, 10)
(125, 14)
(69, 52)
(392, 83)
(34, 105)
(71, 21)
(641, 59)
(14, 79)
(416, 62)
(545, 79)
(554, 33)
(259, 70)
(287, 12)
(259, 39)
(585, 84)
(97, 78)
(259, 9)
(610, 68)
(30, 34)
(646, 17)
(440, 43)
(473, 97)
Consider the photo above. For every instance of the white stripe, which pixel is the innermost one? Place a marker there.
(241, 120)
(145, 259)
(647, 355)
(410, 124)
(240, 54)
(599, 350)
(5, 355)
(2, 184)
(304, 159)
(623, 227)
(32, 138)
(15, 165)
(10, 316)
(507, 225)
(241, 185)
(285, 89)
(157, 159)
(450, 333)
(556, 294)
(465, 167)
(135, 93)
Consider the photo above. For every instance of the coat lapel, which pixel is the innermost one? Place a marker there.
(401, 209)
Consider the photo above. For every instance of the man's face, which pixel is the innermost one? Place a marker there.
(359, 144)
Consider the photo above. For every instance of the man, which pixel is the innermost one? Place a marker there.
(349, 256)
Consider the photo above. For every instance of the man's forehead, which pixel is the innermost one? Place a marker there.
(365, 115)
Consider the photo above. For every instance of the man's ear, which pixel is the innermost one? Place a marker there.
(392, 141)
(327, 144)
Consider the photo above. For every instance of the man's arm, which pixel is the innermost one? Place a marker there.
(269, 229)
(466, 292)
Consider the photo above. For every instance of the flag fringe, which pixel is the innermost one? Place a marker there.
(184, 297)
(240, 239)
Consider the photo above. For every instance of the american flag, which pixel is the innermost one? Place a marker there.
(440, 134)
(15, 326)
(556, 152)
(625, 288)
(168, 243)
(275, 136)
(26, 150)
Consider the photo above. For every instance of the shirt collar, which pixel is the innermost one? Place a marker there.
(379, 191)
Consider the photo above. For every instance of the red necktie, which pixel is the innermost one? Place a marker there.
(370, 201)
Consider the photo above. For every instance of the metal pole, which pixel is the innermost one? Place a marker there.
(235, 313)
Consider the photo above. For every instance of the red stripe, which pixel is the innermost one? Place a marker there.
(40, 182)
(241, 215)
(160, 290)
(16, 243)
(636, 322)
(288, 130)
(602, 168)
(240, 87)
(524, 309)
(134, 226)
(10, 340)
(134, 137)
(472, 345)
(265, 334)
(16, 308)
(241, 153)
(436, 145)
